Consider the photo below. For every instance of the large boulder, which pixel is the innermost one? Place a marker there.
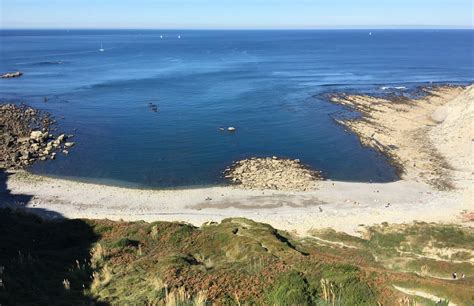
(36, 136)
(61, 138)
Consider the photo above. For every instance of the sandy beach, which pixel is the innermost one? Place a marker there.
(430, 139)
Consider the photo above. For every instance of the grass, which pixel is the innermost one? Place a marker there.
(432, 251)
(235, 262)
(291, 288)
(38, 258)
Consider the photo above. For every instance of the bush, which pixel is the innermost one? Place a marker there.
(124, 242)
(290, 289)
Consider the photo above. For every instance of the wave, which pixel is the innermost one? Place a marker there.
(47, 63)
(168, 75)
(53, 54)
(43, 63)
(393, 87)
(311, 73)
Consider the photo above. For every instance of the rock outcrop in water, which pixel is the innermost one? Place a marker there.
(25, 137)
(11, 75)
(273, 173)
(153, 107)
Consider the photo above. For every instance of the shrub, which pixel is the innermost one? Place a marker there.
(124, 242)
(290, 289)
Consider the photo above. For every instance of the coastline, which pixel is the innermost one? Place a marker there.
(344, 206)
(399, 128)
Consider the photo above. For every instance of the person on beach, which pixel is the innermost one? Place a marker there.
(455, 276)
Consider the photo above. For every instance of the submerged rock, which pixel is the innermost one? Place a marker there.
(153, 107)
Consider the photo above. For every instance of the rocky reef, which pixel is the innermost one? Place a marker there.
(273, 173)
(26, 137)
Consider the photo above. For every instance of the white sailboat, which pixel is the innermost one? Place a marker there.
(101, 48)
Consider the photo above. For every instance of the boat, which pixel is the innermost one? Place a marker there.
(101, 48)
(179, 36)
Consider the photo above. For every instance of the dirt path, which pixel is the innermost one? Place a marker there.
(422, 294)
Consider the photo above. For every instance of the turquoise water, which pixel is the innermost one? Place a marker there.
(270, 85)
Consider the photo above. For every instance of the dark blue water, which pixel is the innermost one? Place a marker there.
(270, 85)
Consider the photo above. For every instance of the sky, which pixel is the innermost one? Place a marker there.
(235, 14)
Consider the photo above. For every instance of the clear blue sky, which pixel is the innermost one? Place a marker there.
(236, 14)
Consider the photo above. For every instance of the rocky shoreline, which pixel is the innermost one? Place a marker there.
(343, 206)
(273, 173)
(26, 137)
(400, 128)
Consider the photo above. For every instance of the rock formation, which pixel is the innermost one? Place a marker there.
(273, 173)
(25, 137)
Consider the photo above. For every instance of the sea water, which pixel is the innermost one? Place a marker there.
(147, 110)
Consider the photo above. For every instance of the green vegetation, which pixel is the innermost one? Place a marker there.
(44, 262)
(235, 262)
(431, 251)
(290, 289)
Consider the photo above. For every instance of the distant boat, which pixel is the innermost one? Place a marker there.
(370, 33)
(101, 48)
(161, 36)
(179, 36)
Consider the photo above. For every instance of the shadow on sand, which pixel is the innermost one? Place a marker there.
(42, 262)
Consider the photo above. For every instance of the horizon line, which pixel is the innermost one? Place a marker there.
(255, 29)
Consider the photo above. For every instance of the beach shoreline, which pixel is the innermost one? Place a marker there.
(344, 206)
(339, 205)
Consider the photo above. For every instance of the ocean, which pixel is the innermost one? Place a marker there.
(146, 111)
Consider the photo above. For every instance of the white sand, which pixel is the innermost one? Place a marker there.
(345, 206)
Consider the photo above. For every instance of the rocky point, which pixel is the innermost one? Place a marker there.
(26, 136)
(273, 173)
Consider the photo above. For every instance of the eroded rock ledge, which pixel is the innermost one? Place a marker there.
(273, 173)
(399, 128)
(26, 136)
